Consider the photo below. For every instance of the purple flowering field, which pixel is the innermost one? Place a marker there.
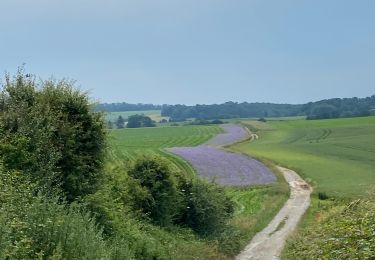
(232, 134)
(225, 168)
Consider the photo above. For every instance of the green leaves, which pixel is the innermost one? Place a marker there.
(50, 132)
(348, 233)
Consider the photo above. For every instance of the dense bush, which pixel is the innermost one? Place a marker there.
(34, 226)
(49, 131)
(162, 202)
(136, 121)
(58, 201)
(206, 207)
(345, 233)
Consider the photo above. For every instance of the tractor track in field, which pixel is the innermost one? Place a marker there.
(268, 243)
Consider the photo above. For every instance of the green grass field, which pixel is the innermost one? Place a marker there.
(129, 144)
(153, 114)
(337, 156)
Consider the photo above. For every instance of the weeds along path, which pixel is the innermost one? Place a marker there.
(269, 243)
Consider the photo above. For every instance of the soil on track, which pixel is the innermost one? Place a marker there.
(269, 243)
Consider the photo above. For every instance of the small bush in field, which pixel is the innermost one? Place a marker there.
(322, 196)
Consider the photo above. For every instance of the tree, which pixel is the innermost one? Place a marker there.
(323, 111)
(110, 124)
(50, 132)
(156, 176)
(136, 121)
(120, 122)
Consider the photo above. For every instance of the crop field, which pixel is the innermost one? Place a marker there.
(132, 143)
(232, 134)
(225, 168)
(153, 114)
(337, 156)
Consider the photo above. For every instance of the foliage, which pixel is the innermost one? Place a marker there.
(229, 110)
(120, 122)
(337, 107)
(136, 121)
(206, 209)
(48, 131)
(34, 226)
(206, 122)
(109, 124)
(323, 111)
(155, 175)
(114, 207)
(119, 107)
(346, 233)
(262, 119)
(329, 108)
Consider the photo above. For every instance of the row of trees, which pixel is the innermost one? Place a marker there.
(120, 107)
(229, 110)
(329, 108)
(134, 121)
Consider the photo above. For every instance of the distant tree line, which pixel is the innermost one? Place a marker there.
(230, 110)
(120, 107)
(329, 108)
(339, 107)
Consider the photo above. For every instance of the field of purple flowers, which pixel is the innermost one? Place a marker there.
(223, 167)
(232, 134)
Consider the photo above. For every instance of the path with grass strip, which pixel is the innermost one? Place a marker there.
(269, 243)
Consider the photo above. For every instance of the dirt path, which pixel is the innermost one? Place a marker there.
(268, 243)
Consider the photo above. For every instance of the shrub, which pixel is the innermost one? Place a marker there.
(154, 174)
(50, 132)
(347, 233)
(322, 196)
(34, 227)
(206, 207)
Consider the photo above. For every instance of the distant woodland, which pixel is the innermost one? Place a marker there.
(120, 107)
(328, 108)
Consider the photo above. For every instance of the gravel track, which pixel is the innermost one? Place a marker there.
(268, 243)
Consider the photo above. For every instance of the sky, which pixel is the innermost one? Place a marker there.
(195, 51)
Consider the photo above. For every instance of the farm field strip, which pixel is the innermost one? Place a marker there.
(224, 167)
(337, 155)
(130, 144)
(232, 134)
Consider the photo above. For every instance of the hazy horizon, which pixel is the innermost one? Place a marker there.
(196, 52)
(193, 104)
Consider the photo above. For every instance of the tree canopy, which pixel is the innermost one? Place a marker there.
(49, 131)
(136, 121)
(329, 108)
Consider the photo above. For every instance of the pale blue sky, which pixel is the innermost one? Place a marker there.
(196, 51)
